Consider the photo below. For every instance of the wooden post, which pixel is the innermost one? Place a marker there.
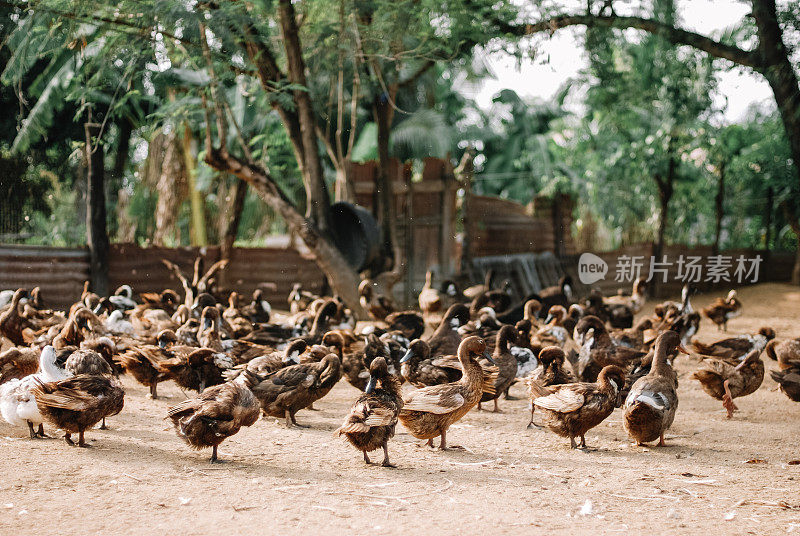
(96, 231)
(447, 227)
(408, 290)
(464, 172)
(198, 234)
(768, 218)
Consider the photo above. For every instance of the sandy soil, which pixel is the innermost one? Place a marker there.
(732, 477)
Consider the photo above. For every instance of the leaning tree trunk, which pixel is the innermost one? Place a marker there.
(96, 232)
(340, 274)
(719, 202)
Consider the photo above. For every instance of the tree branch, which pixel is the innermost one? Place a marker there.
(670, 33)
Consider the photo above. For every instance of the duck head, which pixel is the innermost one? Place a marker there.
(457, 315)
(293, 351)
(417, 350)
(378, 372)
(555, 315)
(166, 338)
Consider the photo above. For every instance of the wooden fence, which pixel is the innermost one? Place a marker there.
(58, 272)
(61, 272)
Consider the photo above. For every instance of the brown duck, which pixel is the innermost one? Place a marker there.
(721, 311)
(216, 414)
(549, 372)
(598, 350)
(787, 354)
(725, 381)
(573, 409)
(734, 348)
(445, 339)
(371, 422)
(142, 362)
(653, 399)
(18, 362)
(12, 322)
(506, 364)
(287, 391)
(428, 412)
(76, 404)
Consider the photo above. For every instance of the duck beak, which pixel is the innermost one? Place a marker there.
(371, 384)
(488, 356)
(162, 343)
(548, 319)
(682, 349)
(408, 355)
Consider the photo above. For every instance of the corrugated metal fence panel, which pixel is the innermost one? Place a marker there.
(58, 272)
(250, 268)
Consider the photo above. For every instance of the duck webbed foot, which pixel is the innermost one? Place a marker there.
(214, 458)
(496, 407)
(661, 441)
(366, 458)
(68, 439)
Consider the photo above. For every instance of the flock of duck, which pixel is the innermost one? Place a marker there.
(579, 360)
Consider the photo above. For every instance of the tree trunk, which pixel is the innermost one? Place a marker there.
(317, 199)
(384, 113)
(96, 232)
(344, 190)
(665, 191)
(782, 79)
(719, 204)
(234, 214)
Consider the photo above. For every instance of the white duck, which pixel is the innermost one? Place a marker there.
(17, 403)
(116, 324)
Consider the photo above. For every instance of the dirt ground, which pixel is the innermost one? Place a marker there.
(733, 477)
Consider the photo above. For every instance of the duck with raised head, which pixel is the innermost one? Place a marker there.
(735, 348)
(287, 391)
(377, 304)
(194, 368)
(11, 320)
(239, 323)
(721, 311)
(559, 294)
(506, 364)
(635, 301)
(78, 403)
(653, 399)
(428, 412)
(637, 337)
(550, 371)
(787, 354)
(17, 401)
(725, 381)
(216, 414)
(446, 339)
(430, 299)
(259, 311)
(598, 350)
(372, 419)
(571, 410)
(553, 333)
